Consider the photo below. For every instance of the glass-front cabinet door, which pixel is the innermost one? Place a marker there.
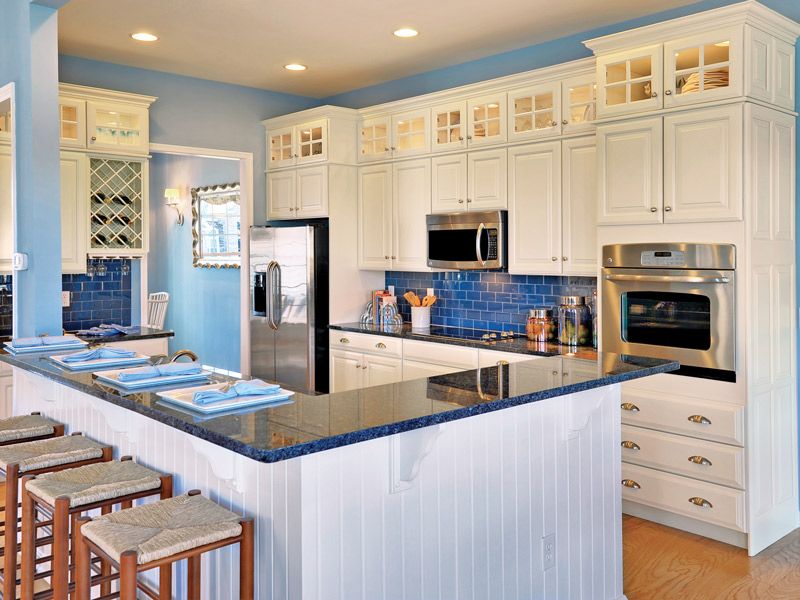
(374, 142)
(117, 127)
(703, 68)
(629, 82)
(449, 126)
(578, 101)
(72, 122)
(410, 133)
(534, 112)
(281, 147)
(486, 120)
(311, 141)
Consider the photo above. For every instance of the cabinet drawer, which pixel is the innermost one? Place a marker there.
(706, 419)
(364, 342)
(703, 501)
(709, 461)
(441, 354)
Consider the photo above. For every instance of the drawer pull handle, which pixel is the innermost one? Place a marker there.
(502, 363)
(699, 419)
(629, 445)
(701, 502)
(630, 483)
(380, 346)
(700, 460)
(344, 341)
(629, 406)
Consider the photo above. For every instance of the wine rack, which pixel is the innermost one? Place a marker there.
(117, 205)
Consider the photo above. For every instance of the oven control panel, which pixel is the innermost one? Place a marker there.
(492, 244)
(663, 258)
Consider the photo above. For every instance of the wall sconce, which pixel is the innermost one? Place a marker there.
(173, 199)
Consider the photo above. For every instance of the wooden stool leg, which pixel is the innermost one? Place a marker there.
(10, 542)
(28, 567)
(60, 563)
(165, 572)
(127, 575)
(105, 568)
(246, 568)
(82, 564)
(193, 578)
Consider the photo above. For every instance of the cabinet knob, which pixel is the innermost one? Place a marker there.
(668, 93)
(296, 156)
(469, 137)
(554, 258)
(394, 258)
(94, 138)
(385, 148)
(630, 406)
(461, 202)
(653, 209)
(501, 363)
(460, 138)
(364, 367)
(700, 460)
(699, 419)
(564, 258)
(393, 148)
(630, 483)
(554, 123)
(667, 209)
(701, 502)
(380, 346)
(654, 95)
(629, 445)
(469, 200)
(564, 122)
(344, 341)
(386, 257)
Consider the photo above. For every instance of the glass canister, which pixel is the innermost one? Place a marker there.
(574, 321)
(541, 326)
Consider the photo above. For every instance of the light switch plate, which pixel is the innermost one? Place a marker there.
(65, 299)
(19, 261)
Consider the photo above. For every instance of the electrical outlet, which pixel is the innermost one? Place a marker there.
(548, 552)
(65, 299)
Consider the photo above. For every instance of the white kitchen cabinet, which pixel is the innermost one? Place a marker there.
(381, 370)
(578, 104)
(441, 358)
(298, 144)
(486, 119)
(702, 165)
(6, 209)
(769, 68)
(629, 81)
(449, 126)
(117, 127)
(469, 181)
(579, 206)
(411, 185)
(72, 122)
(411, 133)
(298, 193)
(364, 360)
(74, 211)
(704, 67)
(494, 358)
(375, 217)
(629, 162)
(6, 392)
(414, 369)
(534, 112)
(534, 175)
(281, 147)
(375, 139)
(345, 370)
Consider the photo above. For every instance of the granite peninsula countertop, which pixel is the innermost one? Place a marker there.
(141, 333)
(309, 423)
(449, 335)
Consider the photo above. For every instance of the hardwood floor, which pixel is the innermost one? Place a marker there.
(661, 563)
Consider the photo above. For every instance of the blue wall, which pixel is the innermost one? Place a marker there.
(204, 303)
(195, 112)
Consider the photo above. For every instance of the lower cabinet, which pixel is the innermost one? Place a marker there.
(355, 370)
(6, 391)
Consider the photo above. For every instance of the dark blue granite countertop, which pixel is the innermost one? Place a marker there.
(142, 333)
(310, 424)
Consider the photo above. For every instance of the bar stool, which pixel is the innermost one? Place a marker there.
(61, 497)
(34, 458)
(160, 534)
(28, 428)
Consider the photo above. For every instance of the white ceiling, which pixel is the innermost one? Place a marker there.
(347, 44)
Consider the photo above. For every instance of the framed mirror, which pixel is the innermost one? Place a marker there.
(216, 226)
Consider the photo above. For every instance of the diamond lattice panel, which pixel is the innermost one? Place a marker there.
(116, 205)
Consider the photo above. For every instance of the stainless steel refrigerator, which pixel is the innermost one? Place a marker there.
(289, 305)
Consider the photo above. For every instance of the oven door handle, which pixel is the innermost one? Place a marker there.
(668, 278)
(478, 254)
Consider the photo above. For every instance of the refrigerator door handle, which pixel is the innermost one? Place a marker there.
(277, 300)
(270, 294)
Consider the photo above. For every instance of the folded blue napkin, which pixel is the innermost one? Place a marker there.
(98, 331)
(192, 368)
(44, 340)
(98, 353)
(254, 387)
(121, 328)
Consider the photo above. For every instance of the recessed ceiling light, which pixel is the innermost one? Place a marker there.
(295, 67)
(406, 32)
(143, 36)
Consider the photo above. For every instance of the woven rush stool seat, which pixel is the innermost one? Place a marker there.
(27, 427)
(158, 535)
(59, 498)
(54, 452)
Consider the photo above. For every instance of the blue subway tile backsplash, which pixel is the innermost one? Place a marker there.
(486, 299)
(93, 299)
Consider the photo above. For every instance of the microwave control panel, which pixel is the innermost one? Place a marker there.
(492, 245)
(667, 258)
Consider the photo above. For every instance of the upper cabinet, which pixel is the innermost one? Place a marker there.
(449, 126)
(411, 133)
(103, 120)
(300, 144)
(578, 104)
(629, 81)
(534, 112)
(486, 119)
(375, 142)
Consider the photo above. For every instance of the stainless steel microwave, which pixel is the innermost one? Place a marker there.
(467, 240)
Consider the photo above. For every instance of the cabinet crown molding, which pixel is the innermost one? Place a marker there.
(311, 114)
(748, 12)
(82, 92)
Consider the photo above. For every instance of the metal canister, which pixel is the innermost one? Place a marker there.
(541, 326)
(574, 321)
